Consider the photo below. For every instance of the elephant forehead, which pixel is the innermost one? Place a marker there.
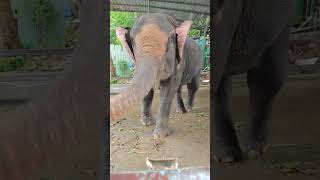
(151, 40)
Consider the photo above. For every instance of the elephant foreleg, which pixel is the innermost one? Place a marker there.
(226, 146)
(168, 89)
(146, 116)
(264, 84)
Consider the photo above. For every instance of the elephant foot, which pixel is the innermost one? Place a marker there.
(228, 156)
(161, 133)
(190, 106)
(181, 111)
(256, 149)
(147, 120)
(227, 153)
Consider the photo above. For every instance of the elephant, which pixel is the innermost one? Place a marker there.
(56, 124)
(165, 58)
(249, 37)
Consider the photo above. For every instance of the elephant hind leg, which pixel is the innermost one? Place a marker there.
(193, 87)
(264, 84)
(179, 103)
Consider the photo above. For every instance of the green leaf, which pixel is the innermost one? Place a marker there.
(120, 19)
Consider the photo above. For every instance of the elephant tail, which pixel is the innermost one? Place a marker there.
(143, 80)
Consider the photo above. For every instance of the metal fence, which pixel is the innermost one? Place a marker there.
(121, 60)
(28, 32)
(306, 15)
(124, 65)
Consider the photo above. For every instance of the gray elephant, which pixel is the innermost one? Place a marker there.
(249, 37)
(165, 58)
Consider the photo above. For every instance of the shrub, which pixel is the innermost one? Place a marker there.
(11, 63)
(122, 68)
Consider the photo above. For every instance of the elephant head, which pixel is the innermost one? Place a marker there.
(155, 43)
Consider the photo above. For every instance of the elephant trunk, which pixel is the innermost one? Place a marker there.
(143, 80)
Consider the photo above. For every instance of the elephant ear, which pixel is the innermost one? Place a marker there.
(124, 36)
(182, 33)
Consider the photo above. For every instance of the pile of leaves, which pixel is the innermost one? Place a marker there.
(303, 49)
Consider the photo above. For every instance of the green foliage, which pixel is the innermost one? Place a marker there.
(195, 33)
(131, 72)
(11, 63)
(71, 34)
(43, 12)
(114, 81)
(120, 19)
(123, 65)
(199, 27)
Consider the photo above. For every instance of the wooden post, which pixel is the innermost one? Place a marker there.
(8, 27)
(63, 124)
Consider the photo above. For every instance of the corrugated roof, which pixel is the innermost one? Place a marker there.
(181, 9)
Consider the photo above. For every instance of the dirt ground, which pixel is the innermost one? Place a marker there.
(294, 151)
(131, 142)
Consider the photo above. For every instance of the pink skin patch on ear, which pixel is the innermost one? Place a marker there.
(121, 34)
(182, 32)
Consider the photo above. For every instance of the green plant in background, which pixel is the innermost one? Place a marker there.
(120, 19)
(71, 33)
(131, 72)
(200, 27)
(43, 12)
(194, 33)
(122, 65)
(114, 81)
(11, 63)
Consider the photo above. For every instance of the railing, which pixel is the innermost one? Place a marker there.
(121, 58)
(311, 16)
(20, 86)
(184, 173)
(23, 52)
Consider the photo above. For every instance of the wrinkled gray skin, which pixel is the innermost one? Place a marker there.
(250, 37)
(171, 71)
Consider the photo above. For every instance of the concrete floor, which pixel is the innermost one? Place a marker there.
(294, 134)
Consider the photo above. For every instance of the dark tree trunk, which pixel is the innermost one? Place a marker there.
(8, 27)
(58, 124)
(75, 8)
